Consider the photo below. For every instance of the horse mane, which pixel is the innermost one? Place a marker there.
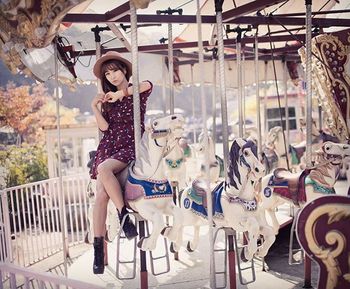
(321, 172)
(233, 171)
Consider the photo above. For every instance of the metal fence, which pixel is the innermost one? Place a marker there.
(30, 224)
(26, 278)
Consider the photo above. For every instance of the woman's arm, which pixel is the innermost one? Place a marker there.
(96, 109)
(120, 94)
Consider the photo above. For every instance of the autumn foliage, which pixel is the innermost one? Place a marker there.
(27, 109)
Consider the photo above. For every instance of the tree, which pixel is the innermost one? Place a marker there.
(23, 164)
(27, 109)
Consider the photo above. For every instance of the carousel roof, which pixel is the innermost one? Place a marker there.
(280, 26)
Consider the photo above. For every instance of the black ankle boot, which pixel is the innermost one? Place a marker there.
(128, 227)
(99, 265)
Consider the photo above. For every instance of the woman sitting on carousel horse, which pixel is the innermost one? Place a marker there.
(113, 110)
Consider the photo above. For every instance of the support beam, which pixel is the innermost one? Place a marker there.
(207, 19)
(248, 8)
(119, 35)
(118, 12)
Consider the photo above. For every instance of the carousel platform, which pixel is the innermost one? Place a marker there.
(191, 271)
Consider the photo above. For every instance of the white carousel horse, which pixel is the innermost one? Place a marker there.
(275, 154)
(196, 163)
(282, 186)
(175, 161)
(234, 203)
(147, 190)
(274, 151)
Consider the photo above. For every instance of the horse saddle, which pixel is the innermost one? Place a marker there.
(289, 185)
(297, 152)
(198, 193)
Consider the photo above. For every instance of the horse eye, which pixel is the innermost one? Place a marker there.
(327, 148)
(155, 123)
(246, 153)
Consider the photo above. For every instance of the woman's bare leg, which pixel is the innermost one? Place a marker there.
(106, 171)
(100, 210)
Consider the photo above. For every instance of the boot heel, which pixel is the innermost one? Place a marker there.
(98, 265)
(129, 227)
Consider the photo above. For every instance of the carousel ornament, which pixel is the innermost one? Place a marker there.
(29, 24)
(331, 80)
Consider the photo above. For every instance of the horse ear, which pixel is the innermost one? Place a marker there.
(250, 138)
(240, 141)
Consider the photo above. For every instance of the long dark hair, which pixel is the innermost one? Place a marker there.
(106, 85)
(112, 65)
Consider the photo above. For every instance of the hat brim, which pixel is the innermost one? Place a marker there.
(98, 65)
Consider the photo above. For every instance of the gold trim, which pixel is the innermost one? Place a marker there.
(335, 213)
(328, 47)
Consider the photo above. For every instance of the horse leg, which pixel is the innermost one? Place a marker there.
(192, 245)
(151, 214)
(253, 231)
(174, 233)
(275, 223)
(269, 238)
(268, 235)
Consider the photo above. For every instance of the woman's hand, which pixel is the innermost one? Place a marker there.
(114, 96)
(99, 98)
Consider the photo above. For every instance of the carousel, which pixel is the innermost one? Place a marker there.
(272, 78)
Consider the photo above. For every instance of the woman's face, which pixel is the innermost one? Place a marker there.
(115, 76)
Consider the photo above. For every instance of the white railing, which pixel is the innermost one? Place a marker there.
(25, 278)
(30, 228)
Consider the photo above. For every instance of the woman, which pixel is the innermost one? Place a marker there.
(113, 111)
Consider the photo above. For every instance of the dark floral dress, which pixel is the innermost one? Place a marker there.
(118, 140)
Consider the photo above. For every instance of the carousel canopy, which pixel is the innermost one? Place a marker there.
(29, 27)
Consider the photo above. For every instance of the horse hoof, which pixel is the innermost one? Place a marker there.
(164, 231)
(139, 243)
(243, 258)
(189, 249)
(172, 248)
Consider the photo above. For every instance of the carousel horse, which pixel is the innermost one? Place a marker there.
(147, 190)
(199, 157)
(175, 161)
(297, 188)
(234, 203)
(274, 153)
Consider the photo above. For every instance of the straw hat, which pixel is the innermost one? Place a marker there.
(109, 56)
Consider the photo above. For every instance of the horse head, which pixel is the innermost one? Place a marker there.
(334, 152)
(155, 143)
(202, 142)
(244, 162)
(273, 136)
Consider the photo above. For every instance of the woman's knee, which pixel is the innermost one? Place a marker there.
(101, 195)
(104, 168)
